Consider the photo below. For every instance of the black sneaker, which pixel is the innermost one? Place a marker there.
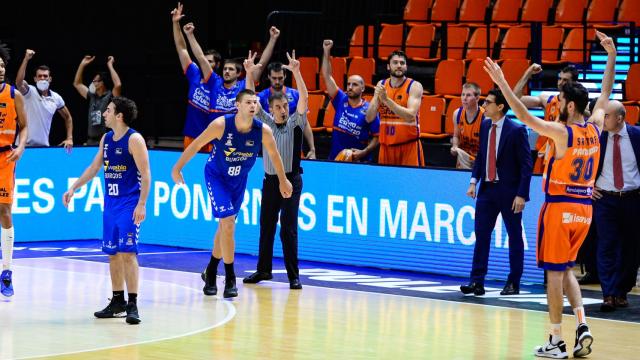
(230, 289)
(132, 314)
(113, 310)
(583, 341)
(210, 288)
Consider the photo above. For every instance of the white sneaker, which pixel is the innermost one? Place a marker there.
(583, 341)
(550, 350)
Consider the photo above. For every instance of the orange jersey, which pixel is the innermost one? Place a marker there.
(8, 115)
(469, 139)
(571, 178)
(393, 129)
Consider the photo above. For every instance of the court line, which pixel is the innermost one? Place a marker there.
(231, 313)
(105, 255)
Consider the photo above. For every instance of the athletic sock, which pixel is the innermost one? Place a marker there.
(581, 318)
(212, 268)
(556, 334)
(133, 298)
(229, 273)
(118, 297)
(6, 241)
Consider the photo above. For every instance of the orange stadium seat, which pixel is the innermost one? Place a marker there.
(329, 114)
(629, 12)
(419, 39)
(473, 10)
(551, 43)
(365, 67)
(338, 70)
(448, 121)
(316, 102)
(430, 114)
(633, 114)
(390, 39)
(478, 43)
(449, 74)
(536, 10)
(416, 10)
(515, 43)
(456, 41)
(309, 68)
(572, 50)
(631, 88)
(444, 10)
(356, 45)
(506, 11)
(513, 70)
(601, 11)
(476, 74)
(570, 12)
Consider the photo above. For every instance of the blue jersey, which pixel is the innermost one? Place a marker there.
(235, 153)
(121, 175)
(223, 99)
(198, 103)
(291, 94)
(350, 127)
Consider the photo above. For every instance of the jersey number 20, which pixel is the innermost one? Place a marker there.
(112, 189)
(234, 170)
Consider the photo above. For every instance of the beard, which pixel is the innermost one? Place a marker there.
(564, 115)
(352, 95)
(398, 73)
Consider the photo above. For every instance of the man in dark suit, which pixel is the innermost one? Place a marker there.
(503, 169)
(616, 207)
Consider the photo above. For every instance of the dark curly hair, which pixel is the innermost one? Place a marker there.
(126, 107)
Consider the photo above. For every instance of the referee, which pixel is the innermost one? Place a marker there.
(288, 132)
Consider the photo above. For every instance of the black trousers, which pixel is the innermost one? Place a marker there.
(273, 204)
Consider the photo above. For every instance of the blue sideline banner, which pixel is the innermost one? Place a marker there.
(385, 217)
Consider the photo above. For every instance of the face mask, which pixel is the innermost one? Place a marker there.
(42, 85)
(92, 88)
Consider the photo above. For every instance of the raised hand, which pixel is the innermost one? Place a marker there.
(327, 44)
(110, 60)
(606, 42)
(381, 93)
(535, 69)
(29, 54)
(294, 65)
(274, 32)
(493, 70)
(176, 14)
(188, 28)
(87, 59)
(250, 63)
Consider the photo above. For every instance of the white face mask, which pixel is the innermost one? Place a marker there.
(42, 85)
(92, 88)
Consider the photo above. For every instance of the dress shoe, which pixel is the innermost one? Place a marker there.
(622, 302)
(608, 304)
(295, 284)
(589, 279)
(256, 277)
(510, 289)
(473, 287)
(230, 289)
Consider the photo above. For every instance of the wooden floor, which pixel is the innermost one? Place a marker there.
(51, 315)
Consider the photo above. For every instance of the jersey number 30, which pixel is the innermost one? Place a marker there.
(582, 169)
(112, 189)
(234, 170)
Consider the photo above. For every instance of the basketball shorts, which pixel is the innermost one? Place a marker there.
(409, 154)
(7, 178)
(562, 228)
(119, 232)
(226, 195)
(205, 149)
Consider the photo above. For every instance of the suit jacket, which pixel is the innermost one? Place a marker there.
(634, 136)
(514, 164)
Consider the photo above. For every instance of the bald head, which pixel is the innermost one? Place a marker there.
(355, 86)
(614, 116)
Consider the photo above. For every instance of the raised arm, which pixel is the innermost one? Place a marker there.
(205, 67)
(22, 125)
(117, 84)
(332, 87)
(408, 113)
(212, 132)
(77, 80)
(530, 101)
(178, 39)
(372, 111)
(20, 83)
(607, 81)
(294, 67)
(269, 144)
(68, 124)
(274, 33)
(138, 150)
(89, 173)
(554, 130)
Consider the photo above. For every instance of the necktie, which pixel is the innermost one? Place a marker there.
(492, 153)
(618, 180)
